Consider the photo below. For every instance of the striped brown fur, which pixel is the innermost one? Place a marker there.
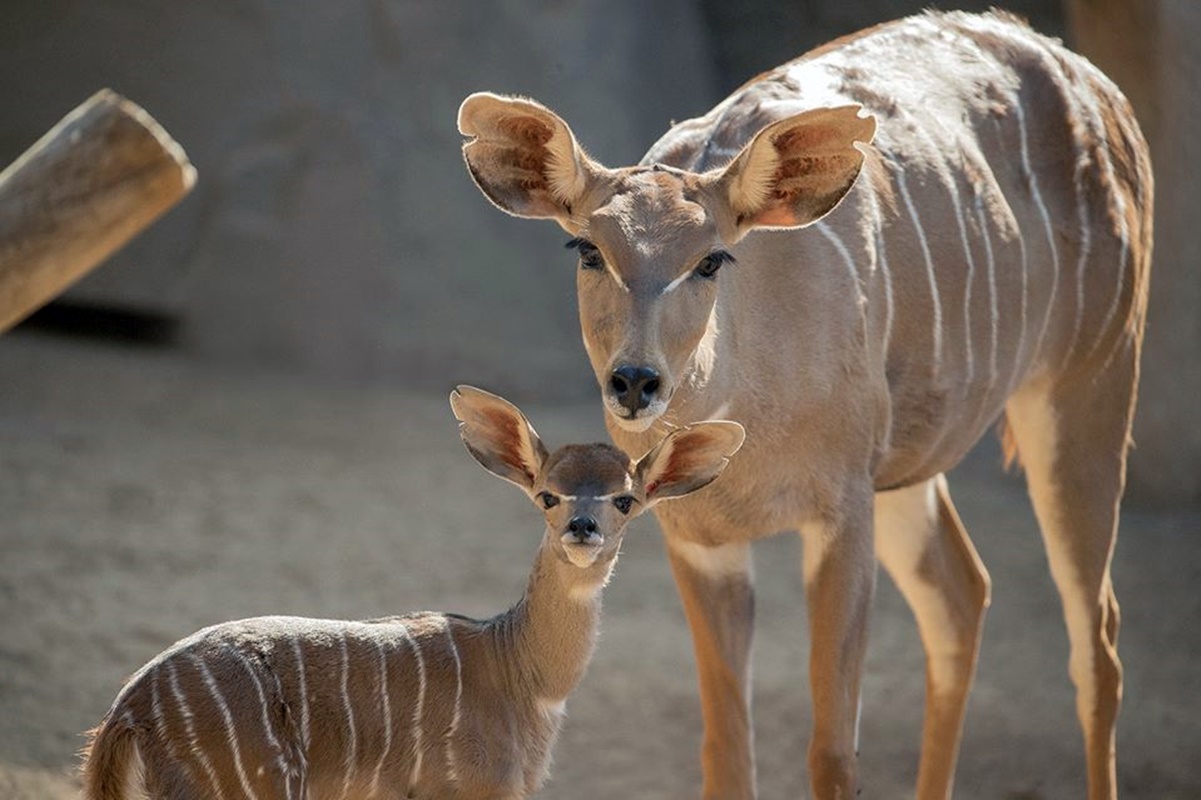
(960, 214)
(426, 705)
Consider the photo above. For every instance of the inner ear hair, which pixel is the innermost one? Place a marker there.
(796, 170)
(523, 157)
(499, 436)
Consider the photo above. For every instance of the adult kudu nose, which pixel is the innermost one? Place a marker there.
(634, 387)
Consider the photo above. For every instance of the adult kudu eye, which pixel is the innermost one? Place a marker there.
(708, 266)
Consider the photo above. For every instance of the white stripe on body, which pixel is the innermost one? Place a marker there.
(935, 300)
(1086, 241)
(298, 768)
(994, 318)
(231, 732)
(451, 767)
(881, 262)
(1019, 353)
(304, 696)
(348, 706)
(160, 722)
(190, 727)
(1042, 210)
(193, 744)
(953, 193)
(1119, 209)
(385, 699)
(280, 759)
(838, 245)
(1081, 161)
(418, 708)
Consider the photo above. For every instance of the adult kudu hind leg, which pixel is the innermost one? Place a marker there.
(1072, 438)
(716, 587)
(922, 544)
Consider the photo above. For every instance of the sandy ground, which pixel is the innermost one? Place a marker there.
(143, 496)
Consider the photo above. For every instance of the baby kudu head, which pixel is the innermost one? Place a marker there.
(588, 493)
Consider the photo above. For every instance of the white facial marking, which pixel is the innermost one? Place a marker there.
(671, 287)
(572, 498)
(644, 419)
(580, 555)
(609, 268)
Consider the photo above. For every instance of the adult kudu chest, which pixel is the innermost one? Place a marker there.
(867, 256)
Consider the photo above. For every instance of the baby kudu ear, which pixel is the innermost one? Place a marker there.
(523, 156)
(794, 172)
(498, 436)
(687, 459)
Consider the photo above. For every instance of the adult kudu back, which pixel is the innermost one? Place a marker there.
(962, 215)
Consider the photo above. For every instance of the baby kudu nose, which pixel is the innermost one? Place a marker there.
(634, 387)
(582, 528)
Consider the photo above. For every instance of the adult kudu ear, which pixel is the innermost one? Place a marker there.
(687, 459)
(523, 156)
(498, 436)
(795, 171)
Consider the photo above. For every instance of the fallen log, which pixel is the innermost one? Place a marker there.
(96, 179)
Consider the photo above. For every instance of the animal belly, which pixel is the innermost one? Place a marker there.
(931, 432)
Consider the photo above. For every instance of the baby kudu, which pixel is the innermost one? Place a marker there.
(426, 705)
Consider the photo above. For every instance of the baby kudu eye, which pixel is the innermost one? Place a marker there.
(624, 503)
(590, 256)
(547, 500)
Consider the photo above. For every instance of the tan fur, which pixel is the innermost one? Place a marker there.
(423, 705)
(992, 257)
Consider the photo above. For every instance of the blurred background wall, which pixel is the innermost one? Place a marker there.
(334, 230)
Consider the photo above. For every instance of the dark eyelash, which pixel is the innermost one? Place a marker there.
(723, 257)
(580, 244)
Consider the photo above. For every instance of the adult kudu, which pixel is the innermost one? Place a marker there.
(986, 252)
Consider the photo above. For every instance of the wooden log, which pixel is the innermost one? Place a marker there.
(96, 179)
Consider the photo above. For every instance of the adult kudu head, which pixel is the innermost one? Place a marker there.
(652, 239)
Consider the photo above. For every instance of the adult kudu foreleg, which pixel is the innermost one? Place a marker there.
(716, 587)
